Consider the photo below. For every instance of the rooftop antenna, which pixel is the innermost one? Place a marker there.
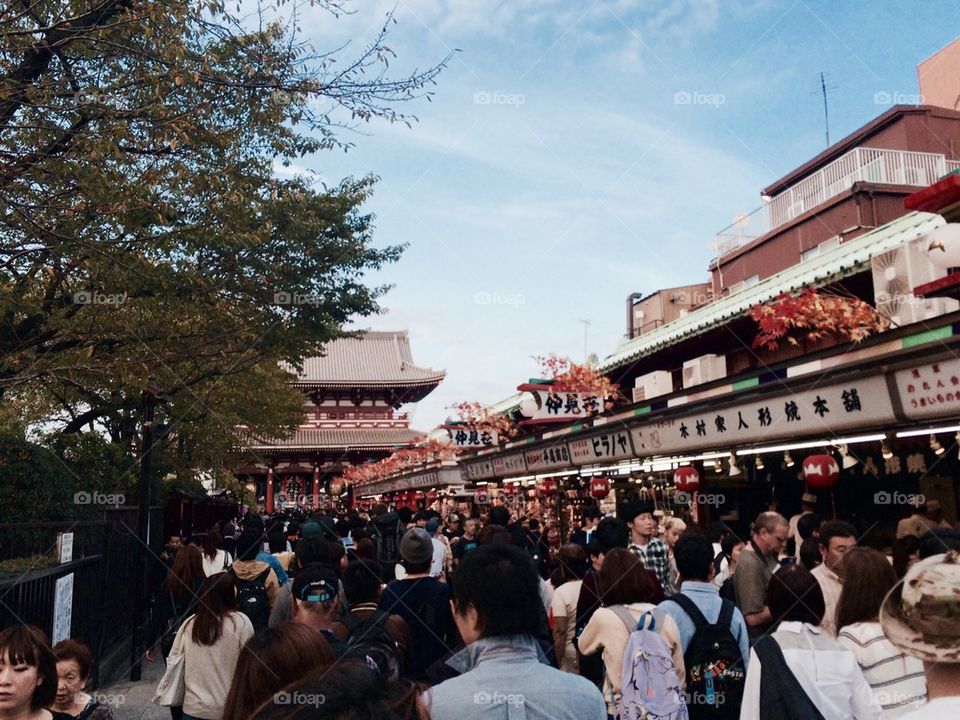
(826, 110)
(586, 327)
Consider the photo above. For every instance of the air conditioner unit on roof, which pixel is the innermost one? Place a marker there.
(896, 273)
(651, 385)
(704, 369)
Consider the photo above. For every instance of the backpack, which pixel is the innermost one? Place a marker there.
(715, 670)
(370, 638)
(649, 688)
(252, 598)
(386, 531)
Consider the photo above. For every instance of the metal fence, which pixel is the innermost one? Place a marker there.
(104, 567)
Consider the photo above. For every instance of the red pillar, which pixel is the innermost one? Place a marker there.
(315, 491)
(270, 490)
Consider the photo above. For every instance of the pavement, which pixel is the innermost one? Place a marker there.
(133, 700)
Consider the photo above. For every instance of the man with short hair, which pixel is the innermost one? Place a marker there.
(361, 586)
(504, 674)
(836, 538)
(808, 504)
(651, 550)
(694, 554)
(590, 519)
(467, 542)
(758, 563)
(422, 601)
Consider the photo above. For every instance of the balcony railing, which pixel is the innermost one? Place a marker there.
(884, 167)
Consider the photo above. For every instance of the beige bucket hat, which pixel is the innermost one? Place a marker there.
(921, 614)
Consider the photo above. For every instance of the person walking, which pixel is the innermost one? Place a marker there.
(836, 539)
(210, 642)
(567, 580)
(74, 661)
(215, 558)
(651, 551)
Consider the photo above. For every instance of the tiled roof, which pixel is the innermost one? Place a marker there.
(848, 258)
(333, 438)
(374, 358)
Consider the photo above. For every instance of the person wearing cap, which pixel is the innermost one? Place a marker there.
(921, 616)
(590, 519)
(423, 602)
(316, 603)
(808, 505)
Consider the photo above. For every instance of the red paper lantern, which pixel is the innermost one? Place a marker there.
(821, 471)
(509, 490)
(687, 479)
(432, 496)
(548, 487)
(599, 487)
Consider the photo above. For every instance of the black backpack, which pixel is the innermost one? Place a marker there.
(370, 638)
(252, 599)
(714, 664)
(386, 530)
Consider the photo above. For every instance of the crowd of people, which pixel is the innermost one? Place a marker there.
(418, 615)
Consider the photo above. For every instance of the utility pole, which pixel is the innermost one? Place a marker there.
(586, 327)
(152, 396)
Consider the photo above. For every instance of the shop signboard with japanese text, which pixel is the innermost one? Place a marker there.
(931, 390)
(555, 406)
(609, 446)
(479, 470)
(821, 411)
(545, 459)
(509, 465)
(465, 438)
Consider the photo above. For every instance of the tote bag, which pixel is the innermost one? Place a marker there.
(170, 689)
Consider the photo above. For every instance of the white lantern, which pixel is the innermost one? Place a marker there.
(529, 404)
(943, 246)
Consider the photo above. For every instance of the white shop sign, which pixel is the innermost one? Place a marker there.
(480, 470)
(611, 445)
(465, 438)
(545, 459)
(509, 465)
(553, 405)
(931, 390)
(819, 411)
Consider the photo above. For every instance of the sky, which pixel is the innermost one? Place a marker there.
(576, 151)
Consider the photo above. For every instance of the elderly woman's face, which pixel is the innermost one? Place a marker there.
(69, 681)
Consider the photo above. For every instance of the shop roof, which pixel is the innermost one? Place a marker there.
(371, 359)
(345, 438)
(848, 258)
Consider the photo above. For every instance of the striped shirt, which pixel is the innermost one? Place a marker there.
(897, 680)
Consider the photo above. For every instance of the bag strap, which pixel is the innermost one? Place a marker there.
(691, 609)
(726, 614)
(775, 668)
(625, 616)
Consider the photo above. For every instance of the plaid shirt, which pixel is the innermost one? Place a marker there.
(654, 557)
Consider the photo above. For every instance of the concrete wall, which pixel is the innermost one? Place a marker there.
(939, 77)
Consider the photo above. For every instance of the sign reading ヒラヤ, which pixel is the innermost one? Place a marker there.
(611, 445)
(822, 410)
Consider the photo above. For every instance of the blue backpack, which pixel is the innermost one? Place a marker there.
(649, 686)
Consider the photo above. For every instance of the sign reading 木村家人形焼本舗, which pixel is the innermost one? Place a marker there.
(822, 411)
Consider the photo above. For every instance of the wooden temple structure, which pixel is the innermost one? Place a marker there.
(353, 396)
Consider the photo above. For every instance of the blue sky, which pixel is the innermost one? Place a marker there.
(558, 167)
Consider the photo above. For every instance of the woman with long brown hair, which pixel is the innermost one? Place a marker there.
(271, 660)
(210, 643)
(897, 680)
(176, 601)
(215, 558)
(627, 591)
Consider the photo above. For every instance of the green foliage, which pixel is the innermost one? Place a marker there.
(144, 232)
